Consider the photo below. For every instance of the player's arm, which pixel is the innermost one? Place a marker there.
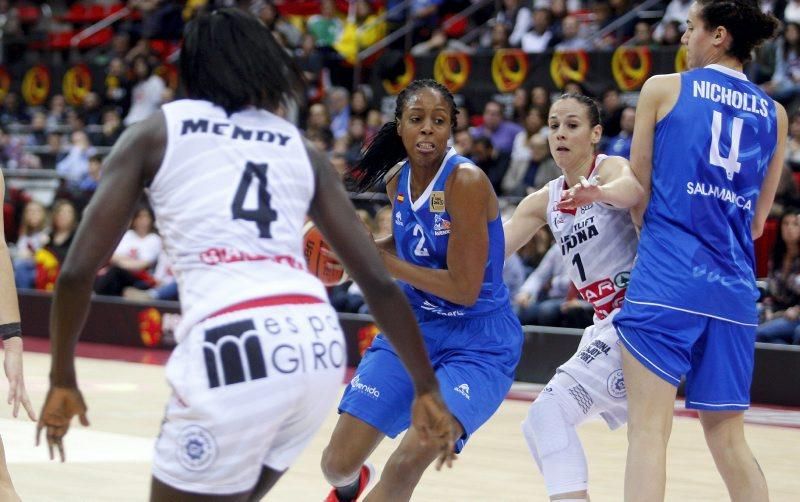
(616, 186)
(655, 100)
(10, 326)
(770, 185)
(529, 216)
(133, 160)
(468, 248)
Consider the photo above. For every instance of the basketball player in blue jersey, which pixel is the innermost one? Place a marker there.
(233, 427)
(446, 249)
(708, 147)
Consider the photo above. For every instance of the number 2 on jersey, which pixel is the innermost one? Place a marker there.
(730, 163)
(263, 215)
(420, 249)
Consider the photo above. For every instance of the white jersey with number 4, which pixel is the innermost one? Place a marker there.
(230, 200)
(598, 244)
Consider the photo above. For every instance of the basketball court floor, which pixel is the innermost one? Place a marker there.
(110, 460)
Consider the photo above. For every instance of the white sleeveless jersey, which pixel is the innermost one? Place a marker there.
(230, 200)
(598, 244)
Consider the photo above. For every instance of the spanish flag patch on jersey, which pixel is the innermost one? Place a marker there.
(400, 197)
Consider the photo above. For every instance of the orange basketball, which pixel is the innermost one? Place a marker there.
(321, 259)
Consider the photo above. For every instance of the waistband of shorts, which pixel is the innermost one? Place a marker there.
(268, 301)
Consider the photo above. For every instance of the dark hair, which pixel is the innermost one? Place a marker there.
(592, 108)
(386, 148)
(96, 158)
(483, 140)
(748, 26)
(231, 59)
(779, 249)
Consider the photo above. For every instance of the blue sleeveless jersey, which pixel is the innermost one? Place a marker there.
(710, 157)
(421, 233)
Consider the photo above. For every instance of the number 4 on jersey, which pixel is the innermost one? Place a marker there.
(730, 163)
(263, 215)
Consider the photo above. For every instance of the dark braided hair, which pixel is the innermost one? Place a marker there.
(386, 148)
(743, 19)
(232, 60)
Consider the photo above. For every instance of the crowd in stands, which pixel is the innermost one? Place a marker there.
(506, 136)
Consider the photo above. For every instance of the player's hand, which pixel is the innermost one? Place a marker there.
(523, 299)
(12, 365)
(435, 425)
(60, 405)
(584, 192)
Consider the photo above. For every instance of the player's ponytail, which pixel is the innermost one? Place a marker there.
(383, 152)
(386, 149)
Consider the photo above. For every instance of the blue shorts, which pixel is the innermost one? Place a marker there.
(715, 355)
(474, 360)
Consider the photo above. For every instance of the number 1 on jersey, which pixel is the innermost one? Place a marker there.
(730, 163)
(263, 215)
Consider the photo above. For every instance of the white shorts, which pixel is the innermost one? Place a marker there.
(250, 389)
(597, 369)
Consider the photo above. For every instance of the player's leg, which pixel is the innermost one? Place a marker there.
(724, 431)
(7, 492)
(719, 386)
(651, 402)
(351, 444)
(404, 469)
(550, 432)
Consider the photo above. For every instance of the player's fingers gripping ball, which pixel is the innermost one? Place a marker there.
(320, 258)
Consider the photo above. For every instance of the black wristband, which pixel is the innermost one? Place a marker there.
(10, 330)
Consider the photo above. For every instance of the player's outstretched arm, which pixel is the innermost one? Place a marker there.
(130, 165)
(10, 327)
(336, 218)
(614, 184)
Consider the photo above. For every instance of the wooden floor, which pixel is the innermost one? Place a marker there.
(109, 461)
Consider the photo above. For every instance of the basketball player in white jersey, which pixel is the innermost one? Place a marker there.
(598, 244)
(260, 357)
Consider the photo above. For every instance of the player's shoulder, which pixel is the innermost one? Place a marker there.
(662, 84)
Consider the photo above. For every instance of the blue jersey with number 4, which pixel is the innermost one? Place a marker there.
(710, 157)
(421, 233)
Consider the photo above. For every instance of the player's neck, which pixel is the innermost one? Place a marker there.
(584, 167)
(726, 61)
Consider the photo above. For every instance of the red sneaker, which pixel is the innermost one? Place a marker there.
(365, 479)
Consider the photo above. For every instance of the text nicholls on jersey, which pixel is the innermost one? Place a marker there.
(731, 97)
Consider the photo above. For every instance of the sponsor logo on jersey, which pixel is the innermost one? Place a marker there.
(581, 232)
(197, 448)
(462, 389)
(398, 219)
(436, 309)
(622, 279)
(596, 291)
(586, 208)
(217, 256)
(616, 384)
(436, 202)
(363, 388)
(440, 225)
(594, 350)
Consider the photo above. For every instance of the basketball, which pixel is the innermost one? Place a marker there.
(321, 259)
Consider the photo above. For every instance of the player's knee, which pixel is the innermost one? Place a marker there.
(407, 464)
(544, 427)
(337, 468)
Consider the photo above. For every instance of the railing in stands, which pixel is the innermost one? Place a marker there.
(99, 25)
(620, 21)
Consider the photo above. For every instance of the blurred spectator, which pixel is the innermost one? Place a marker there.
(12, 150)
(90, 109)
(787, 194)
(339, 108)
(462, 142)
(359, 104)
(383, 222)
(318, 118)
(266, 11)
(643, 35)
(165, 287)
(356, 132)
(516, 17)
(571, 38)
(793, 142)
(74, 168)
(54, 151)
(462, 118)
(545, 169)
(147, 93)
(12, 111)
(782, 312)
(50, 257)
(675, 16)
(784, 86)
(426, 16)
(621, 143)
(514, 181)
(540, 297)
(672, 34)
(540, 37)
(540, 97)
(520, 105)
(38, 132)
(491, 161)
(322, 139)
(118, 86)
(133, 260)
(501, 131)
(438, 41)
(33, 236)
(792, 12)
(325, 27)
(611, 106)
(110, 130)
(310, 62)
(57, 111)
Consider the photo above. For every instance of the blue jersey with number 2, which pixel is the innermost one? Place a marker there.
(710, 156)
(422, 231)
